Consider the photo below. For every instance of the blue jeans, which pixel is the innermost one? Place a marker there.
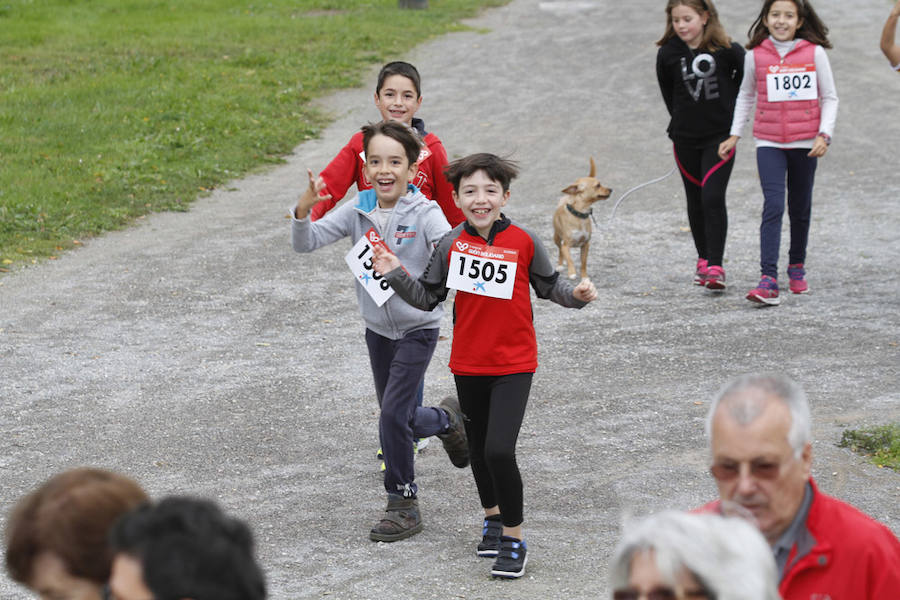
(398, 367)
(777, 165)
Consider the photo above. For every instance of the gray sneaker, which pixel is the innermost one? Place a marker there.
(454, 439)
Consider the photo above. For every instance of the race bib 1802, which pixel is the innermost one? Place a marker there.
(482, 270)
(787, 83)
(359, 259)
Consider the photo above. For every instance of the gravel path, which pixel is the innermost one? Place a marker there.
(198, 353)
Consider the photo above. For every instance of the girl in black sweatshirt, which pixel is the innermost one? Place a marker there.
(699, 70)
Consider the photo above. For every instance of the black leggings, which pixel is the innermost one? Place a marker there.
(705, 178)
(494, 407)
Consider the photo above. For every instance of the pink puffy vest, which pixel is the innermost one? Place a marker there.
(783, 122)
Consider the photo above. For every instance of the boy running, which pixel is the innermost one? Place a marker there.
(490, 261)
(394, 214)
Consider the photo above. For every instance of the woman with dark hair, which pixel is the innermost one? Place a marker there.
(56, 537)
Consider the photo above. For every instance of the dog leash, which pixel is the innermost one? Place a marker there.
(636, 188)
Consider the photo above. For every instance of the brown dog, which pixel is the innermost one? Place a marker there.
(572, 219)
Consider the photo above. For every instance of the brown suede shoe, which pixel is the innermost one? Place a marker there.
(401, 520)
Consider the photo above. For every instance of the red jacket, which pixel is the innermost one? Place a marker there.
(853, 556)
(348, 168)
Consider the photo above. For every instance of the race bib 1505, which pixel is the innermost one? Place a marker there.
(787, 83)
(359, 259)
(482, 270)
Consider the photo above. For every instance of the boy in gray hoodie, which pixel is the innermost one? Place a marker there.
(400, 339)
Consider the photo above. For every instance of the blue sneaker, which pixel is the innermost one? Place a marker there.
(511, 559)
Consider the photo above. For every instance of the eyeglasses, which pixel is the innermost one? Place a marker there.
(760, 468)
(659, 593)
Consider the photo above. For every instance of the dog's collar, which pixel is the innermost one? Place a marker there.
(578, 213)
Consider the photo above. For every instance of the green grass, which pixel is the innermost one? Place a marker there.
(111, 109)
(880, 444)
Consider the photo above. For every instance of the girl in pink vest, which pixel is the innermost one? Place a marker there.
(788, 76)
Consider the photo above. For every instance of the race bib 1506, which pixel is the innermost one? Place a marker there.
(482, 270)
(787, 83)
(359, 259)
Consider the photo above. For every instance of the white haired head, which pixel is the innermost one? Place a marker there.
(727, 555)
(745, 398)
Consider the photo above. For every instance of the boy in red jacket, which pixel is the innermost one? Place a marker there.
(398, 97)
(491, 262)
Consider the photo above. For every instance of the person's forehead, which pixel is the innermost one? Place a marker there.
(766, 434)
(478, 178)
(385, 146)
(397, 83)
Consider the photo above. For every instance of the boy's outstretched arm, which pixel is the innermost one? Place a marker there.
(424, 293)
(888, 46)
(311, 195)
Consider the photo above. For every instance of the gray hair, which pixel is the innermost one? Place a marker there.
(744, 397)
(727, 555)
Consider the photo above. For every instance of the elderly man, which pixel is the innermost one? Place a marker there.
(759, 432)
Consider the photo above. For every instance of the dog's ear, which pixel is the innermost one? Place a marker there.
(572, 190)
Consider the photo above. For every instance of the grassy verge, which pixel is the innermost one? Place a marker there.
(880, 444)
(111, 109)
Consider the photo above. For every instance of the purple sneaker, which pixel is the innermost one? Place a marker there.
(766, 292)
(797, 275)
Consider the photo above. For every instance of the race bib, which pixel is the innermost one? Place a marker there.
(359, 259)
(482, 270)
(788, 83)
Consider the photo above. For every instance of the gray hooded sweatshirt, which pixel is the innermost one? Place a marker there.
(413, 230)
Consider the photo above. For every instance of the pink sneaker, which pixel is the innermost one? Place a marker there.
(797, 275)
(766, 292)
(700, 273)
(715, 278)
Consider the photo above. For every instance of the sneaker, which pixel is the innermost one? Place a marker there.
(797, 276)
(421, 444)
(715, 279)
(766, 292)
(490, 536)
(454, 439)
(511, 559)
(700, 272)
(401, 520)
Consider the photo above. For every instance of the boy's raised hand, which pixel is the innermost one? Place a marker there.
(384, 261)
(312, 194)
(584, 291)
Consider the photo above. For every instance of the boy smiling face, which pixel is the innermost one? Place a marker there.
(388, 169)
(398, 99)
(480, 199)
